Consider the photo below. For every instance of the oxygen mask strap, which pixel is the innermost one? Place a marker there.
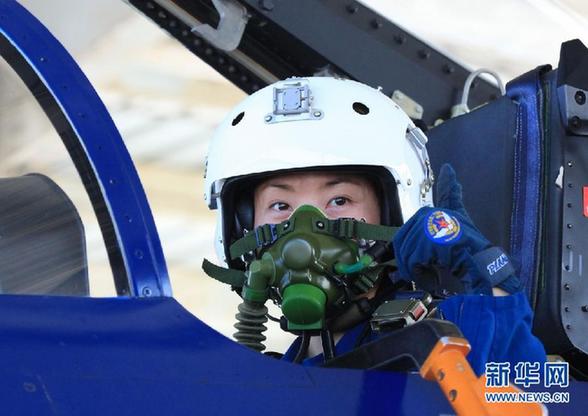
(235, 278)
(262, 236)
(268, 234)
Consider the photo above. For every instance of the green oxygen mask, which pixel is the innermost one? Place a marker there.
(301, 266)
(309, 265)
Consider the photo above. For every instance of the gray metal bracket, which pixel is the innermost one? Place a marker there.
(228, 34)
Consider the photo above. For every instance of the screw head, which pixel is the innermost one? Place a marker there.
(352, 8)
(575, 122)
(268, 118)
(147, 291)
(267, 5)
(376, 24)
(448, 69)
(320, 225)
(317, 114)
(424, 54)
(580, 97)
(399, 39)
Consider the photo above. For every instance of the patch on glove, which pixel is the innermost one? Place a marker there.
(442, 228)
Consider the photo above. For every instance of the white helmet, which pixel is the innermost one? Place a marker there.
(314, 123)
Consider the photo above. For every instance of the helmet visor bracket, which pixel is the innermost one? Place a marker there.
(293, 101)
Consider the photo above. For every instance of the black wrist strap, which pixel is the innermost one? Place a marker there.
(494, 264)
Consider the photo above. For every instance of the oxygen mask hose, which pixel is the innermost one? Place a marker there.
(250, 325)
(252, 314)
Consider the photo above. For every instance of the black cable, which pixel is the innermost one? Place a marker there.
(303, 350)
(328, 344)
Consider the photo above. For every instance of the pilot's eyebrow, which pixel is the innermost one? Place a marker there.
(342, 179)
(278, 185)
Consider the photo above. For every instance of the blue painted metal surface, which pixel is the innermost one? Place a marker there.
(83, 356)
(96, 147)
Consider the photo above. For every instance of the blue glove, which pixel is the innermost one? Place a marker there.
(445, 237)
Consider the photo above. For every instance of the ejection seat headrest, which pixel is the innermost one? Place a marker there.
(42, 241)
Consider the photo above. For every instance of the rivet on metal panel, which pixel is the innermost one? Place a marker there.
(267, 5)
(352, 8)
(376, 24)
(424, 54)
(399, 39)
(448, 69)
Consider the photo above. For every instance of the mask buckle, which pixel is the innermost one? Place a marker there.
(266, 235)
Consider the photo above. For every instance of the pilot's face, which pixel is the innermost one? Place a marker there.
(336, 194)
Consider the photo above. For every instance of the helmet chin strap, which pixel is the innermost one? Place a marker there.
(310, 265)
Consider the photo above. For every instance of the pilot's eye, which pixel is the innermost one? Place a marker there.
(279, 206)
(338, 201)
